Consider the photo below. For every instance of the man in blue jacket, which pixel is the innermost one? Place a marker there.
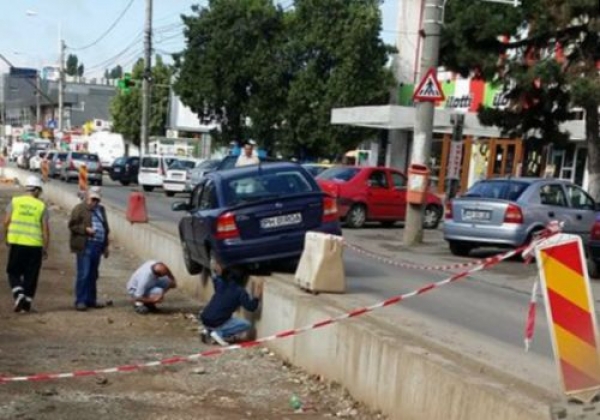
(219, 323)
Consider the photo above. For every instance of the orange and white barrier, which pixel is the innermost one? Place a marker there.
(45, 169)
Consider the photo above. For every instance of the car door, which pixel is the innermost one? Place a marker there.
(379, 195)
(582, 211)
(398, 195)
(555, 205)
(187, 223)
(203, 220)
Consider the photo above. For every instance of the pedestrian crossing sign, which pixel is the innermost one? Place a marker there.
(429, 89)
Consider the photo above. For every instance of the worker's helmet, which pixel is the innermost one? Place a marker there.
(33, 182)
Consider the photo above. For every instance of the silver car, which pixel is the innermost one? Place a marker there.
(506, 212)
(70, 168)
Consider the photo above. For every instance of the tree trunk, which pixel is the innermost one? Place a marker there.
(593, 150)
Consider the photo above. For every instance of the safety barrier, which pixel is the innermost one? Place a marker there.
(83, 177)
(45, 169)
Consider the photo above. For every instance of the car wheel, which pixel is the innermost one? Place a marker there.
(169, 193)
(593, 270)
(432, 217)
(148, 188)
(460, 248)
(125, 183)
(357, 216)
(191, 266)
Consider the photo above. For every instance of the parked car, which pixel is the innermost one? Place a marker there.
(178, 175)
(253, 214)
(125, 169)
(74, 160)
(507, 212)
(56, 164)
(35, 161)
(152, 171)
(316, 169)
(593, 249)
(370, 193)
(228, 162)
(199, 171)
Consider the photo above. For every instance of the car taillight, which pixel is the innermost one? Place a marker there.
(226, 227)
(595, 233)
(330, 210)
(448, 210)
(513, 214)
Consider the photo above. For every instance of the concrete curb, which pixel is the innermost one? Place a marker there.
(378, 364)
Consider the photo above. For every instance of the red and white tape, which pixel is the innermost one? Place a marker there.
(488, 262)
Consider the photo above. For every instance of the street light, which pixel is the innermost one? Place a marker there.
(61, 69)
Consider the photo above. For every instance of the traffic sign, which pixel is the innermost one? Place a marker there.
(429, 89)
(571, 316)
(51, 124)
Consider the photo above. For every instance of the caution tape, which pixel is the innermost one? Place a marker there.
(484, 264)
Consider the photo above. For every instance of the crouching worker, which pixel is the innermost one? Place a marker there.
(148, 286)
(219, 324)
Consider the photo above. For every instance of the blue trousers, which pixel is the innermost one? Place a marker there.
(233, 326)
(88, 262)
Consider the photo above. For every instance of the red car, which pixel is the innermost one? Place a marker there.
(374, 194)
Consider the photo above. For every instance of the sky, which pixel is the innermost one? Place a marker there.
(29, 30)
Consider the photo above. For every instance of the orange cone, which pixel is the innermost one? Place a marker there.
(136, 208)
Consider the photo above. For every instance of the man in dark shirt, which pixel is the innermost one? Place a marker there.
(229, 296)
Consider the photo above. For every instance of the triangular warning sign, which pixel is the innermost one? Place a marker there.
(429, 89)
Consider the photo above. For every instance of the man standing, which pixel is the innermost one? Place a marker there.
(148, 286)
(28, 237)
(89, 241)
(247, 157)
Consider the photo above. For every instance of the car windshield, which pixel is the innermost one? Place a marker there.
(315, 170)
(265, 185)
(502, 189)
(84, 156)
(182, 164)
(339, 174)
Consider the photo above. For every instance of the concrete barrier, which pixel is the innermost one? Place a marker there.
(380, 365)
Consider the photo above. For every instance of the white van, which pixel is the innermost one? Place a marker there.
(108, 147)
(152, 170)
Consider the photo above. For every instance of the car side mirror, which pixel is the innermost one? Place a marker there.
(180, 206)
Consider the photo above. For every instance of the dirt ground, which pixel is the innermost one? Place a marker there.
(239, 385)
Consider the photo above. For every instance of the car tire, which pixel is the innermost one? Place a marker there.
(357, 216)
(460, 248)
(169, 193)
(148, 188)
(125, 183)
(432, 217)
(593, 269)
(191, 266)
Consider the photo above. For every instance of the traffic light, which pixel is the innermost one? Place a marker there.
(126, 83)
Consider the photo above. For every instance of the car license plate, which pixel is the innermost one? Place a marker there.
(477, 215)
(279, 221)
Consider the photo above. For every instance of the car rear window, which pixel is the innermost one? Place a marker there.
(84, 156)
(500, 189)
(62, 156)
(182, 164)
(339, 174)
(263, 185)
(150, 162)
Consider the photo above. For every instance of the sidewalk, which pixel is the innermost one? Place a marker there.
(239, 385)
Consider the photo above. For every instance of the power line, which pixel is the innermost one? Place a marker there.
(110, 28)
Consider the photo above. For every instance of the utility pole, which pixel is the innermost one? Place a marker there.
(147, 77)
(38, 105)
(431, 29)
(61, 80)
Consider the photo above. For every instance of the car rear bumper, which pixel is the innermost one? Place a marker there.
(288, 245)
(176, 186)
(507, 234)
(95, 176)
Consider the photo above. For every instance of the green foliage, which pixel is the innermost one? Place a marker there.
(126, 109)
(540, 88)
(274, 75)
(72, 64)
(80, 70)
(115, 73)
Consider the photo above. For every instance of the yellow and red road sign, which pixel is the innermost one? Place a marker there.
(571, 316)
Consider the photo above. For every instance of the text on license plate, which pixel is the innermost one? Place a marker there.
(477, 215)
(283, 220)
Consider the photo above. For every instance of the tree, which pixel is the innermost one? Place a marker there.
(547, 62)
(72, 63)
(126, 109)
(116, 72)
(106, 74)
(269, 74)
(80, 70)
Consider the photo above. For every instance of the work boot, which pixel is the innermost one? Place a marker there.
(19, 302)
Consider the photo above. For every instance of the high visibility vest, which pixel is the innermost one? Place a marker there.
(25, 226)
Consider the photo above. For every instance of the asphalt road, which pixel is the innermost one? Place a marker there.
(482, 317)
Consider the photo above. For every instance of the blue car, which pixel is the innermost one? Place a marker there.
(253, 214)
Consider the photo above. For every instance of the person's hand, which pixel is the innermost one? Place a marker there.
(90, 231)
